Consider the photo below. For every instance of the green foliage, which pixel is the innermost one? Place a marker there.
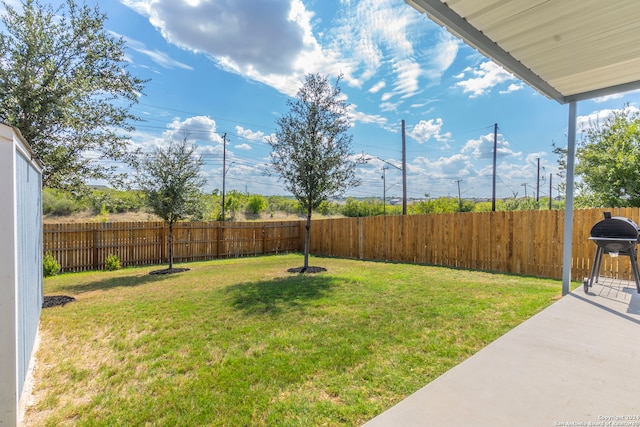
(209, 208)
(57, 202)
(357, 208)
(64, 84)
(328, 208)
(442, 205)
(232, 203)
(170, 179)
(256, 204)
(522, 204)
(50, 265)
(311, 147)
(112, 262)
(115, 201)
(284, 204)
(608, 161)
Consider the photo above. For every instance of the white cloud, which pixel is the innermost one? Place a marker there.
(486, 77)
(156, 56)
(278, 42)
(457, 165)
(513, 87)
(246, 147)
(482, 148)
(442, 55)
(270, 42)
(377, 87)
(250, 135)
(428, 129)
(598, 118)
(243, 31)
(614, 96)
(198, 128)
(358, 116)
(389, 106)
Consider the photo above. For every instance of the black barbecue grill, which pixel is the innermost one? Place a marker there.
(614, 236)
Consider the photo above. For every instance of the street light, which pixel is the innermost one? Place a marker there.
(384, 168)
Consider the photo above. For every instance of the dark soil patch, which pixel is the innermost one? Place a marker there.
(169, 271)
(56, 300)
(309, 269)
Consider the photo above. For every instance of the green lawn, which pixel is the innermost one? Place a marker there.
(241, 342)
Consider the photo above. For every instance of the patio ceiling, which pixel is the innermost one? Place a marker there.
(569, 50)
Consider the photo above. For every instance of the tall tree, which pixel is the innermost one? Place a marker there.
(608, 160)
(64, 84)
(311, 147)
(171, 179)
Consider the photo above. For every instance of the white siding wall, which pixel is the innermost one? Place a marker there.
(29, 250)
(20, 266)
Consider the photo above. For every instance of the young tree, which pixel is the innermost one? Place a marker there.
(64, 84)
(311, 147)
(170, 179)
(608, 160)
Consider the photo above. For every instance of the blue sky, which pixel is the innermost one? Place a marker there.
(219, 67)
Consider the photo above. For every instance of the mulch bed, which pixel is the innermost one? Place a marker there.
(169, 271)
(56, 300)
(309, 269)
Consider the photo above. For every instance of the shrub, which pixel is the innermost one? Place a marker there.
(50, 265)
(355, 208)
(55, 202)
(256, 204)
(112, 262)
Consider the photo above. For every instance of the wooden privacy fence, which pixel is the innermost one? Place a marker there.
(520, 242)
(79, 247)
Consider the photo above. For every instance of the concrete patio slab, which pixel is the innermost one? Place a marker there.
(576, 363)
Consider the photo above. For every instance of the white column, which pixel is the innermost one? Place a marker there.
(568, 207)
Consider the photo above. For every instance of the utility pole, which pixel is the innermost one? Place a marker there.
(538, 185)
(384, 189)
(224, 168)
(404, 172)
(525, 189)
(495, 158)
(550, 189)
(459, 196)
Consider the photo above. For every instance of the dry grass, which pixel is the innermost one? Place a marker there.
(136, 216)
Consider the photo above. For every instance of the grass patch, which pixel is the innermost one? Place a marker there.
(242, 342)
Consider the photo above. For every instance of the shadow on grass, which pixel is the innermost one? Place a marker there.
(280, 295)
(113, 282)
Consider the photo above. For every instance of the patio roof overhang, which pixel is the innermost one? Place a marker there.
(568, 50)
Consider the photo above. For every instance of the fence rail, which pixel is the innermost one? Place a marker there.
(520, 242)
(79, 247)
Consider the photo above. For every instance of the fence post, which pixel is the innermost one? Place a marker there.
(96, 242)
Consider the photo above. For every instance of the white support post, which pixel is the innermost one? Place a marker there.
(568, 207)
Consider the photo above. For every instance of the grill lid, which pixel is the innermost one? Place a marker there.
(617, 227)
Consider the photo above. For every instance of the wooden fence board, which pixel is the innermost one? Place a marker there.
(521, 242)
(79, 247)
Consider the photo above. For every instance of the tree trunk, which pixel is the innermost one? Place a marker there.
(307, 239)
(170, 245)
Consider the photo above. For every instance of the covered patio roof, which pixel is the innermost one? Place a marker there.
(569, 50)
